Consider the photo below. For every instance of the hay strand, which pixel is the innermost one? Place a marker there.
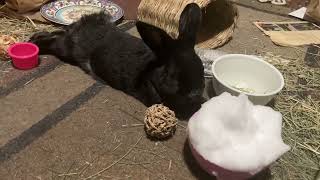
(115, 162)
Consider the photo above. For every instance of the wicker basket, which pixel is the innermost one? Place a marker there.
(219, 18)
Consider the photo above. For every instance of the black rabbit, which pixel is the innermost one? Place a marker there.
(158, 69)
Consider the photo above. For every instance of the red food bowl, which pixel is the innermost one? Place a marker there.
(24, 55)
(215, 170)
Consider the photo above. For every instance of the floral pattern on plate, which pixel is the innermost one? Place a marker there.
(67, 11)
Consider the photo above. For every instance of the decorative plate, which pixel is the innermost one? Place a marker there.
(67, 11)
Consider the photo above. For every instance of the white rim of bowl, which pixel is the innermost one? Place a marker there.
(250, 57)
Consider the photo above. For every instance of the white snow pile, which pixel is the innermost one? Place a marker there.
(234, 134)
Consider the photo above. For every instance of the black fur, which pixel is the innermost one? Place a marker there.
(158, 70)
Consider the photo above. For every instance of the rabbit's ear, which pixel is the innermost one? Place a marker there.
(155, 38)
(160, 42)
(189, 23)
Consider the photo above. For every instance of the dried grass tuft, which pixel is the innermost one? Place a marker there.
(299, 103)
(22, 29)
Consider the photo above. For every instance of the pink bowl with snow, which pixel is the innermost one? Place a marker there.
(24, 55)
(219, 172)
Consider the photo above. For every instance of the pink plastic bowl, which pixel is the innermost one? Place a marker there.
(24, 55)
(219, 172)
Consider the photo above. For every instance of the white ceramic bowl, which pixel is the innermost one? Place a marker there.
(250, 75)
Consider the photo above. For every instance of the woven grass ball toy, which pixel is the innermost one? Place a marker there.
(160, 122)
